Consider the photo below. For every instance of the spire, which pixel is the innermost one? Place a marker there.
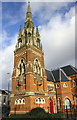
(28, 10)
(28, 14)
(28, 22)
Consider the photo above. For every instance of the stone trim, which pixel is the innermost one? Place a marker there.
(64, 93)
(33, 51)
(19, 54)
(18, 111)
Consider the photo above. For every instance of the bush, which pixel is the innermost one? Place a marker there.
(37, 111)
(5, 110)
(35, 114)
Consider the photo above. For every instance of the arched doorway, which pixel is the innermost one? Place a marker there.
(51, 106)
(67, 104)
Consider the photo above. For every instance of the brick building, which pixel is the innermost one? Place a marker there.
(32, 85)
(65, 80)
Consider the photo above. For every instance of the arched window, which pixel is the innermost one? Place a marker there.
(16, 101)
(57, 85)
(67, 103)
(19, 101)
(21, 67)
(23, 101)
(40, 100)
(74, 84)
(37, 100)
(43, 100)
(37, 67)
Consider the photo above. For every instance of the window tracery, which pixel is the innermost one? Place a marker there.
(21, 68)
(37, 67)
(65, 85)
(20, 101)
(67, 103)
(40, 100)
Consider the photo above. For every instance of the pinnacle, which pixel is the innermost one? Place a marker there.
(20, 29)
(28, 10)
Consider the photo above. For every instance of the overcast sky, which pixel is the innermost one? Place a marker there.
(56, 22)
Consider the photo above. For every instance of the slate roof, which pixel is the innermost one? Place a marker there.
(56, 75)
(64, 76)
(49, 76)
(69, 70)
(61, 74)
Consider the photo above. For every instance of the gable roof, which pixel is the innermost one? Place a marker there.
(56, 75)
(59, 75)
(49, 76)
(69, 70)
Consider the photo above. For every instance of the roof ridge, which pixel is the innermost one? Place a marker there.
(73, 68)
(65, 66)
(52, 76)
(64, 73)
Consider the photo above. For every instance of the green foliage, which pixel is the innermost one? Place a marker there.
(35, 114)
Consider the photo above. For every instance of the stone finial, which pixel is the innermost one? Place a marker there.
(20, 32)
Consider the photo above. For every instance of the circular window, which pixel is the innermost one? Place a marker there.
(65, 85)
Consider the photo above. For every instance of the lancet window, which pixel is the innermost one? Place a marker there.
(21, 67)
(37, 67)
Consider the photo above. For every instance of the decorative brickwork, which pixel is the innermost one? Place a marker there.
(29, 81)
(32, 85)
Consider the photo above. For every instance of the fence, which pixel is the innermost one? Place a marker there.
(69, 112)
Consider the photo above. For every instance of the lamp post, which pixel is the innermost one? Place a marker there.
(8, 82)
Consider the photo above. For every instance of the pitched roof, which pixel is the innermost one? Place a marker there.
(49, 76)
(59, 75)
(56, 75)
(64, 76)
(69, 70)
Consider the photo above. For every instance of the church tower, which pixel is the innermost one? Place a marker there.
(29, 81)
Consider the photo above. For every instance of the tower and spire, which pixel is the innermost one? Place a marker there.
(29, 78)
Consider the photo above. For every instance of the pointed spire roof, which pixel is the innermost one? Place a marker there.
(28, 9)
(29, 14)
(28, 22)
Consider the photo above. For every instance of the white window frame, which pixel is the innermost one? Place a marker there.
(65, 85)
(57, 86)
